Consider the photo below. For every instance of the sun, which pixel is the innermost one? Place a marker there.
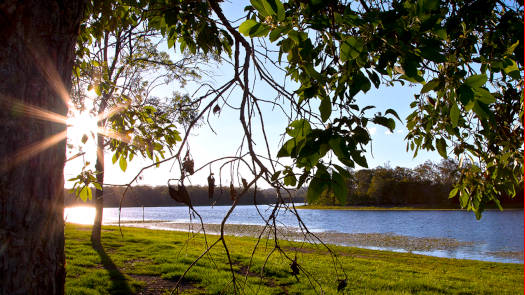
(81, 124)
(80, 214)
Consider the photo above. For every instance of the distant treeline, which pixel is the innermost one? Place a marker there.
(158, 196)
(427, 185)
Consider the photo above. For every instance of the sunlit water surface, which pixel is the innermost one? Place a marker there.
(495, 232)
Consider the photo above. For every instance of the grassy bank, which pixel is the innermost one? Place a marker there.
(150, 261)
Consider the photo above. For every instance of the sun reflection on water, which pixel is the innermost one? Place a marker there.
(80, 214)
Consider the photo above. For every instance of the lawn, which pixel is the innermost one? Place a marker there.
(151, 261)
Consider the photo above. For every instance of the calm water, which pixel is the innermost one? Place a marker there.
(495, 232)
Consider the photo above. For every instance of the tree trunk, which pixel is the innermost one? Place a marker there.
(37, 40)
(99, 194)
(99, 169)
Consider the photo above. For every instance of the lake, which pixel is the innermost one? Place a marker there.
(490, 239)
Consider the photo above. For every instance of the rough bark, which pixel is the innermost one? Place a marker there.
(37, 40)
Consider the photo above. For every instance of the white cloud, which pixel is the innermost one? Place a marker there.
(372, 130)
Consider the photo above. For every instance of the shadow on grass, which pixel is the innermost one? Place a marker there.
(119, 283)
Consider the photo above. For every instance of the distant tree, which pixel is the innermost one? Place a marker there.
(449, 171)
(427, 172)
(118, 66)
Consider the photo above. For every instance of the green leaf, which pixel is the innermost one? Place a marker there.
(384, 121)
(325, 108)
(98, 89)
(465, 94)
(360, 83)
(295, 36)
(280, 10)
(342, 171)
(302, 178)
(367, 108)
(482, 111)
(511, 49)
(441, 33)
(453, 193)
(299, 128)
(268, 8)
(454, 115)
(410, 64)
(374, 77)
(510, 67)
(463, 198)
(393, 113)
(318, 184)
(85, 193)
(351, 48)
(290, 179)
(97, 186)
(246, 26)
(287, 148)
(339, 187)
(476, 81)
(441, 146)
(431, 85)
(360, 160)
(277, 32)
(484, 96)
(259, 6)
(361, 135)
(123, 163)
(428, 5)
(114, 158)
(259, 30)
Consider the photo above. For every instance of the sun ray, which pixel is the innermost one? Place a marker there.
(78, 122)
(114, 110)
(31, 150)
(34, 111)
(115, 135)
(48, 69)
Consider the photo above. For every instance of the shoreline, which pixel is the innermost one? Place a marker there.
(375, 208)
(436, 247)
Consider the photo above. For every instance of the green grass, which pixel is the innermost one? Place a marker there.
(153, 260)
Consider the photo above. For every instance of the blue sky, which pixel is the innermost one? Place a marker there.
(386, 147)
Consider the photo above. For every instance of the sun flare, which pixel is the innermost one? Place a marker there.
(80, 124)
(79, 215)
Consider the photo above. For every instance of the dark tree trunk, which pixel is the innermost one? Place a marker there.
(37, 40)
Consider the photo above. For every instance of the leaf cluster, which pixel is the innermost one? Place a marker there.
(467, 56)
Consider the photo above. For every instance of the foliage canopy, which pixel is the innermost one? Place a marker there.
(467, 57)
